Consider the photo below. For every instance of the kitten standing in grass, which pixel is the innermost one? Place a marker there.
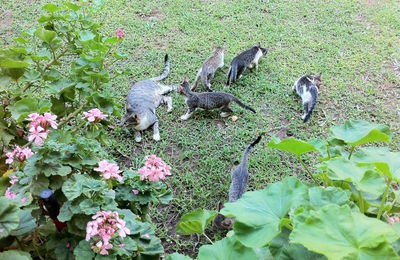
(143, 99)
(239, 177)
(247, 59)
(307, 88)
(207, 71)
(208, 101)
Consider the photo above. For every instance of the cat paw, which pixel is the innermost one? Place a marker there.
(138, 139)
(224, 114)
(183, 118)
(156, 137)
(303, 116)
(169, 109)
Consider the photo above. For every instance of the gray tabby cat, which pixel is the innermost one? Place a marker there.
(143, 99)
(247, 59)
(307, 88)
(239, 177)
(207, 71)
(208, 101)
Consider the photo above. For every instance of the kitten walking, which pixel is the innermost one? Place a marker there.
(207, 71)
(247, 59)
(208, 101)
(307, 88)
(239, 177)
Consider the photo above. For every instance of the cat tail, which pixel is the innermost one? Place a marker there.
(204, 76)
(314, 95)
(166, 70)
(247, 151)
(234, 73)
(228, 82)
(240, 103)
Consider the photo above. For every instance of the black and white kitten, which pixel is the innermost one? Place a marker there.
(307, 88)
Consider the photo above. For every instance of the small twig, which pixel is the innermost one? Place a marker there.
(208, 238)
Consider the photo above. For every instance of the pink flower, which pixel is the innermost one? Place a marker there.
(135, 191)
(50, 119)
(155, 169)
(33, 117)
(14, 179)
(109, 170)
(68, 245)
(120, 33)
(23, 200)
(393, 220)
(9, 194)
(10, 157)
(121, 245)
(19, 153)
(94, 115)
(37, 135)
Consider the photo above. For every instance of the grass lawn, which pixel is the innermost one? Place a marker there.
(355, 44)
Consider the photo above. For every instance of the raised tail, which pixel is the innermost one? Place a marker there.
(247, 151)
(234, 73)
(165, 72)
(228, 81)
(314, 95)
(240, 103)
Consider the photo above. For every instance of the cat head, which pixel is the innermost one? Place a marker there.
(316, 80)
(217, 49)
(183, 87)
(263, 50)
(130, 118)
(222, 222)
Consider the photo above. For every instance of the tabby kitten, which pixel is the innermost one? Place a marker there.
(247, 59)
(208, 101)
(307, 88)
(207, 71)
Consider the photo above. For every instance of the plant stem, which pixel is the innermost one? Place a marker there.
(70, 116)
(361, 202)
(351, 152)
(307, 170)
(383, 201)
(208, 238)
(329, 154)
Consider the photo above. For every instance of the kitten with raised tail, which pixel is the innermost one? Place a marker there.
(239, 177)
(211, 64)
(208, 101)
(247, 59)
(143, 99)
(307, 88)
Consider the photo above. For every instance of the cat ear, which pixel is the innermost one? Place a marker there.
(185, 79)
(220, 205)
(258, 44)
(214, 47)
(318, 76)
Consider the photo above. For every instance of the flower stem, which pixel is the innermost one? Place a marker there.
(361, 202)
(383, 201)
(307, 170)
(70, 116)
(208, 238)
(351, 152)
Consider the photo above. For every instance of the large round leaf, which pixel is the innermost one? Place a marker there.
(83, 251)
(292, 145)
(195, 221)
(365, 179)
(15, 255)
(22, 108)
(9, 218)
(358, 132)
(258, 214)
(386, 161)
(339, 233)
(177, 256)
(320, 196)
(26, 225)
(226, 249)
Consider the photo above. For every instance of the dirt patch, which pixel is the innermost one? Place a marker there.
(154, 15)
(7, 19)
(220, 124)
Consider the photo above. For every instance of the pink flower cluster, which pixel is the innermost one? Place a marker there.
(103, 228)
(19, 153)
(109, 170)
(155, 169)
(393, 220)
(39, 128)
(94, 115)
(120, 33)
(11, 195)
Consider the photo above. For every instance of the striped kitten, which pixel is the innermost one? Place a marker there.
(307, 88)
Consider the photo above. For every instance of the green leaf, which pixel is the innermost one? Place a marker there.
(15, 255)
(22, 108)
(365, 179)
(339, 233)
(51, 8)
(72, 6)
(228, 248)
(89, 207)
(258, 214)
(291, 145)
(83, 251)
(177, 256)
(358, 132)
(195, 221)
(86, 35)
(9, 216)
(26, 224)
(45, 35)
(39, 183)
(31, 76)
(12, 64)
(386, 161)
(54, 170)
(320, 197)
(72, 188)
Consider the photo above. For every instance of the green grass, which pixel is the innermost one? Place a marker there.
(353, 43)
